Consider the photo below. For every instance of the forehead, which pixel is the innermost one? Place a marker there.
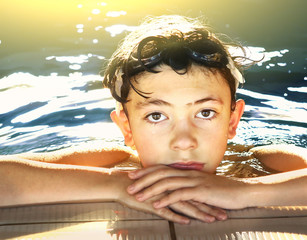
(170, 86)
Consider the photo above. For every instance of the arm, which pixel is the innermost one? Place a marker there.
(282, 189)
(60, 175)
(183, 185)
(281, 158)
(33, 182)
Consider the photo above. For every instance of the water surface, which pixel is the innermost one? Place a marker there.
(51, 53)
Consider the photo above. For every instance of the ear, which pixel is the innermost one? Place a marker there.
(122, 122)
(235, 118)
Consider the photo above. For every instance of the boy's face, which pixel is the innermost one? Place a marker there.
(185, 122)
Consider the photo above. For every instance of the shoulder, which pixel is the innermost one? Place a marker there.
(281, 157)
(88, 154)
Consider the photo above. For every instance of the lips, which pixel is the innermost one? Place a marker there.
(188, 166)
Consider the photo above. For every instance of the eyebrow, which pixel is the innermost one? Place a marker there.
(153, 101)
(160, 102)
(207, 99)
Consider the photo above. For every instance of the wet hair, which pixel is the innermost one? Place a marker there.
(171, 40)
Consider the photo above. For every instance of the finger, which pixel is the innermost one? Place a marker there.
(144, 171)
(133, 188)
(165, 213)
(172, 216)
(218, 213)
(183, 194)
(166, 185)
(192, 211)
(155, 176)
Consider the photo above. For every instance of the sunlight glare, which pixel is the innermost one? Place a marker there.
(88, 230)
(119, 28)
(96, 11)
(115, 13)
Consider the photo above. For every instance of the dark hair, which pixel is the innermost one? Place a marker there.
(173, 40)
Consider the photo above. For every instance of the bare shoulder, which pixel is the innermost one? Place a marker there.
(280, 149)
(89, 154)
(281, 157)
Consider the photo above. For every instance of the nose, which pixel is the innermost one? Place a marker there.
(183, 137)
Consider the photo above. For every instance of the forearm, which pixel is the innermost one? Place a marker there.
(30, 182)
(283, 189)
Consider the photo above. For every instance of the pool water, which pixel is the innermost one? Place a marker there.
(51, 95)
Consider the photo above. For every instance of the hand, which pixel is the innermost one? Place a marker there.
(199, 211)
(187, 185)
(122, 181)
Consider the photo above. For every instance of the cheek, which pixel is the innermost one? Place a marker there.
(148, 158)
(218, 143)
(148, 148)
(214, 144)
(215, 133)
(215, 156)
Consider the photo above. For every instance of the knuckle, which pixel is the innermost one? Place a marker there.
(167, 181)
(185, 193)
(163, 211)
(182, 206)
(213, 212)
(167, 198)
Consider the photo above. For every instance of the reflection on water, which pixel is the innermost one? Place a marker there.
(51, 53)
(119, 28)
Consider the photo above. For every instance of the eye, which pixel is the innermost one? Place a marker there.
(155, 117)
(206, 114)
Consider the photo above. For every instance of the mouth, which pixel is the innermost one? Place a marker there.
(187, 165)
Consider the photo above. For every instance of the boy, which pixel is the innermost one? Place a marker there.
(175, 84)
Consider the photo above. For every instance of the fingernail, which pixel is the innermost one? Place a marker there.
(209, 219)
(185, 221)
(130, 188)
(221, 216)
(131, 174)
(156, 204)
(139, 196)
